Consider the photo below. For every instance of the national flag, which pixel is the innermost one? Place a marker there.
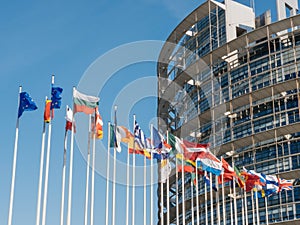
(97, 124)
(26, 103)
(56, 97)
(192, 149)
(285, 184)
(47, 112)
(240, 178)
(69, 119)
(160, 145)
(140, 137)
(252, 179)
(186, 165)
(272, 185)
(209, 162)
(176, 144)
(228, 172)
(165, 170)
(208, 182)
(84, 103)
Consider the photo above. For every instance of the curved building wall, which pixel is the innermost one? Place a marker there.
(242, 97)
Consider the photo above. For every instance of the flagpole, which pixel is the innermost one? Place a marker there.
(253, 208)
(161, 198)
(87, 175)
(217, 201)
(114, 174)
(205, 198)
(168, 189)
(183, 192)
(47, 163)
(62, 205)
(12, 188)
(107, 175)
(93, 171)
(223, 197)
(177, 191)
(38, 208)
(71, 170)
(245, 202)
(145, 191)
(211, 200)
(197, 194)
(151, 177)
(231, 208)
(127, 185)
(234, 199)
(267, 216)
(192, 202)
(257, 208)
(133, 176)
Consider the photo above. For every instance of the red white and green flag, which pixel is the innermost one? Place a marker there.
(84, 103)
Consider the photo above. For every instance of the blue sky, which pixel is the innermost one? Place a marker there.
(41, 38)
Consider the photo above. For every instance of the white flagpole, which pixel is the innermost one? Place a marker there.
(183, 191)
(211, 201)
(133, 176)
(47, 165)
(161, 198)
(205, 198)
(145, 191)
(253, 208)
(177, 191)
(12, 188)
(93, 172)
(234, 198)
(62, 204)
(192, 202)
(267, 216)
(71, 171)
(257, 207)
(231, 208)
(151, 177)
(197, 195)
(168, 190)
(38, 208)
(107, 175)
(127, 185)
(218, 202)
(223, 197)
(114, 176)
(87, 175)
(245, 202)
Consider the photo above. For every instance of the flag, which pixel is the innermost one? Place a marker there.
(84, 103)
(207, 181)
(55, 97)
(272, 185)
(228, 172)
(252, 179)
(97, 124)
(209, 162)
(176, 144)
(140, 137)
(240, 178)
(47, 112)
(69, 119)
(26, 104)
(165, 170)
(192, 149)
(160, 145)
(285, 184)
(122, 135)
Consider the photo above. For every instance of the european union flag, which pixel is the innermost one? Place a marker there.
(55, 97)
(26, 103)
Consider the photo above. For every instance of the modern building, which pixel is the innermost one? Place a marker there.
(231, 78)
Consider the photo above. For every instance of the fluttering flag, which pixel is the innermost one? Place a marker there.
(84, 103)
(47, 113)
(69, 119)
(122, 135)
(56, 97)
(160, 149)
(26, 104)
(207, 181)
(97, 124)
(209, 162)
(140, 137)
(285, 184)
(253, 179)
(165, 170)
(177, 145)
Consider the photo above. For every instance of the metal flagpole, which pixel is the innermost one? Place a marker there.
(253, 208)
(38, 208)
(231, 208)
(257, 207)
(192, 202)
(243, 211)
(12, 187)
(205, 198)
(211, 200)
(183, 192)
(151, 177)
(161, 198)
(114, 173)
(218, 203)
(127, 186)
(93, 171)
(47, 164)
(133, 176)
(197, 195)
(245, 202)
(223, 197)
(71, 171)
(145, 191)
(267, 216)
(62, 204)
(234, 198)
(177, 191)
(87, 175)
(168, 189)
(107, 175)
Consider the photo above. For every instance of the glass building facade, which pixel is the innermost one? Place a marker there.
(243, 97)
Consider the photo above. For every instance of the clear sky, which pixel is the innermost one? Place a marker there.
(41, 38)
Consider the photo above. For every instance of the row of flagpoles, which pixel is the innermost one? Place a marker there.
(195, 159)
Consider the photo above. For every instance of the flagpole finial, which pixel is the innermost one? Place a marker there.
(52, 79)
(20, 88)
(116, 107)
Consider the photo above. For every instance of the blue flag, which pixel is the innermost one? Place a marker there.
(26, 104)
(55, 97)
